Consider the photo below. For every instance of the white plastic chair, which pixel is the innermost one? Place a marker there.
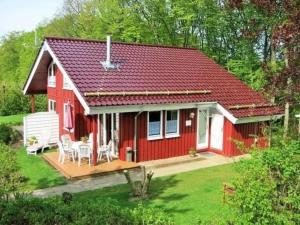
(105, 150)
(66, 140)
(67, 143)
(84, 152)
(63, 153)
(41, 144)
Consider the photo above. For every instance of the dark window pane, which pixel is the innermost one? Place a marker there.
(154, 116)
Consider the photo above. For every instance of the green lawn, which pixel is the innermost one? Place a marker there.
(186, 196)
(12, 120)
(37, 172)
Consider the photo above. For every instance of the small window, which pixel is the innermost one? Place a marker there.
(172, 123)
(51, 105)
(51, 75)
(154, 125)
(66, 84)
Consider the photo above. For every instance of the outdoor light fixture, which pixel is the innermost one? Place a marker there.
(192, 115)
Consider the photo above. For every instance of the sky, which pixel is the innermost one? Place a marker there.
(25, 15)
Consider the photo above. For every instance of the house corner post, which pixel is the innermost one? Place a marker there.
(32, 100)
(95, 126)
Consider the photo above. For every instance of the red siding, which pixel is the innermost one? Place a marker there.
(242, 132)
(82, 124)
(151, 149)
(156, 149)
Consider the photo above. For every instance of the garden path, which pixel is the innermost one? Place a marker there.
(159, 168)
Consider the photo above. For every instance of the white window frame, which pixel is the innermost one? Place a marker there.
(51, 103)
(155, 137)
(172, 135)
(72, 130)
(51, 75)
(66, 83)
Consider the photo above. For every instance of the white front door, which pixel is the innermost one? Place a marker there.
(202, 129)
(216, 131)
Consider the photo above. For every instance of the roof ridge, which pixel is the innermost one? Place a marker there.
(117, 42)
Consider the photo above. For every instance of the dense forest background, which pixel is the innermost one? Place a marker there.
(258, 41)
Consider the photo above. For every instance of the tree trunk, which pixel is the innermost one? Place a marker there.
(286, 120)
(140, 189)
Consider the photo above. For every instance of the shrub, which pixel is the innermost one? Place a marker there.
(10, 178)
(268, 192)
(55, 211)
(7, 135)
(13, 102)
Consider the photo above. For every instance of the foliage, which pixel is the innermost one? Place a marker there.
(268, 190)
(10, 178)
(240, 35)
(7, 134)
(281, 31)
(56, 211)
(13, 102)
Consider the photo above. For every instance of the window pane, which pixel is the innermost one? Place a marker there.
(202, 127)
(154, 116)
(171, 123)
(154, 123)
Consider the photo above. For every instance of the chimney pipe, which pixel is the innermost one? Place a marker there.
(108, 46)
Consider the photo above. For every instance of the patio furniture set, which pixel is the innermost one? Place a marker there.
(71, 149)
(79, 150)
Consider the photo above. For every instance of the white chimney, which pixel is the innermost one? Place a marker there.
(107, 64)
(108, 46)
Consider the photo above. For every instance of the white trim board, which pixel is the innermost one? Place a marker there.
(61, 68)
(258, 119)
(37, 61)
(46, 47)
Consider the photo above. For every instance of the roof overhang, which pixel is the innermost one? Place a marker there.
(37, 80)
(199, 105)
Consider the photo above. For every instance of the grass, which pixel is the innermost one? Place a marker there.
(37, 172)
(186, 196)
(12, 120)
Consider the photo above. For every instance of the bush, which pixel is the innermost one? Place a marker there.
(10, 178)
(13, 102)
(268, 192)
(55, 211)
(7, 134)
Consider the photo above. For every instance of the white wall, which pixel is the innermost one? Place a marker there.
(37, 123)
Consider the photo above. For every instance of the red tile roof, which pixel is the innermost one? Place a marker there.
(153, 68)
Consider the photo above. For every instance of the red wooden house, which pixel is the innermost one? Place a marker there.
(157, 100)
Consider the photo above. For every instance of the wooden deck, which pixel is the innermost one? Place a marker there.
(72, 171)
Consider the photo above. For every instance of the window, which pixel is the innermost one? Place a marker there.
(51, 105)
(172, 123)
(154, 125)
(51, 75)
(66, 84)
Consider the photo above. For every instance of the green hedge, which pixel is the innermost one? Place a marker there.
(67, 211)
(12, 102)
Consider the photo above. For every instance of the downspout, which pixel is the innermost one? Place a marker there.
(135, 135)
